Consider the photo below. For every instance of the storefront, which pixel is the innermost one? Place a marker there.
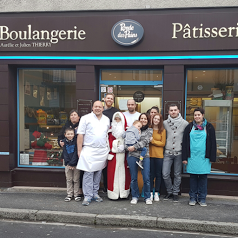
(52, 62)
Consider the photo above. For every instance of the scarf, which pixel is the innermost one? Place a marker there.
(143, 128)
(200, 127)
(175, 123)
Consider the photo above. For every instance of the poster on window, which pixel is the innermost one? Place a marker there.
(24, 159)
(27, 88)
(110, 89)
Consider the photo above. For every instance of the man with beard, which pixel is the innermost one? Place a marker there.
(109, 110)
(131, 115)
(118, 174)
(174, 127)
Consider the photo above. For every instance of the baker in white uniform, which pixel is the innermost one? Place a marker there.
(92, 151)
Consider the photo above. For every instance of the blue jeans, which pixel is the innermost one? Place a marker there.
(168, 161)
(156, 165)
(198, 187)
(131, 160)
(143, 150)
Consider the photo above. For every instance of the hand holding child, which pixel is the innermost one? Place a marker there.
(131, 148)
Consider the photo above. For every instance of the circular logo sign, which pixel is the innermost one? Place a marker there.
(138, 96)
(127, 32)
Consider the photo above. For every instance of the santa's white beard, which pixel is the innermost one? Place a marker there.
(117, 129)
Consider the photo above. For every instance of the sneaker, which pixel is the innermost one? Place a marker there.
(168, 196)
(202, 204)
(192, 203)
(151, 196)
(68, 199)
(134, 201)
(97, 198)
(175, 198)
(86, 202)
(140, 163)
(156, 197)
(148, 201)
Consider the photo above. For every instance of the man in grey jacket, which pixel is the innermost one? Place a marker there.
(174, 127)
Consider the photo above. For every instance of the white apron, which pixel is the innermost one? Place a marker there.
(93, 159)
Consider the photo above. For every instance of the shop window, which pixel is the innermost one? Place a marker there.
(46, 96)
(145, 86)
(216, 90)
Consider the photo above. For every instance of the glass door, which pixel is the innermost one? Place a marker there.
(144, 86)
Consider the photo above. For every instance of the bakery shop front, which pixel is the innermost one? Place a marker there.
(51, 63)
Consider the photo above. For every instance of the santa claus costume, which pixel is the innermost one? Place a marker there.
(118, 173)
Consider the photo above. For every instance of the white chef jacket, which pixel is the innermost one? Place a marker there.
(95, 149)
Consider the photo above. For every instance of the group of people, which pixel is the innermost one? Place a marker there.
(115, 144)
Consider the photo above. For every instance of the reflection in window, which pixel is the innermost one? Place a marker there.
(45, 99)
(132, 75)
(217, 92)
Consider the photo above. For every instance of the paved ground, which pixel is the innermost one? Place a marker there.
(220, 216)
(22, 229)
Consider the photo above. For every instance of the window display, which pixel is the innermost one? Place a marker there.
(46, 96)
(217, 92)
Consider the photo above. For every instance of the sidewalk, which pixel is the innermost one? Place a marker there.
(47, 204)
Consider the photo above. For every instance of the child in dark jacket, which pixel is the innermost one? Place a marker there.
(70, 156)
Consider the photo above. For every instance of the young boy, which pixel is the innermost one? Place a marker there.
(132, 136)
(70, 156)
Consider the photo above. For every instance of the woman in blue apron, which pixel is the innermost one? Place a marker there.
(198, 151)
